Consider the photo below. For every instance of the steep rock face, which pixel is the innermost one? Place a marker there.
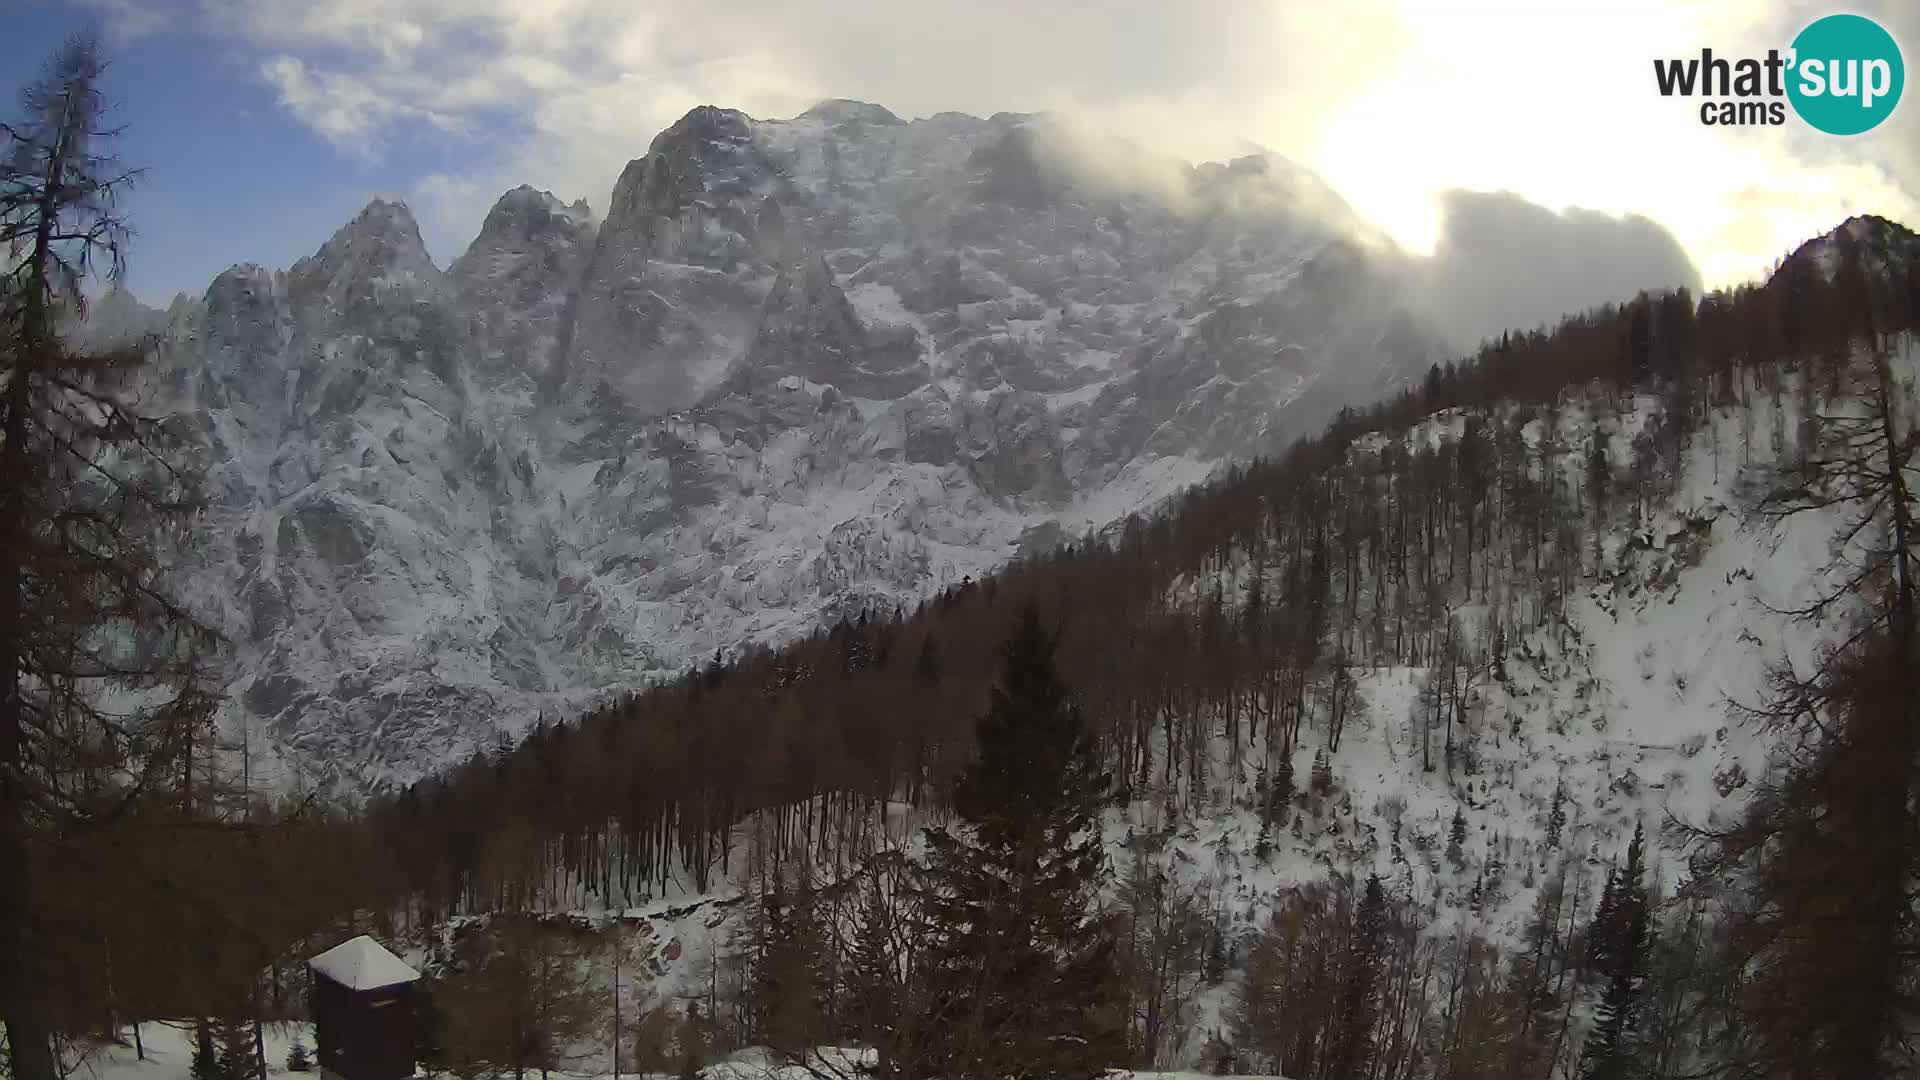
(673, 282)
(799, 369)
(809, 329)
(363, 503)
(514, 284)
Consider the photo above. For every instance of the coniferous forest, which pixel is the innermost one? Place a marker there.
(908, 817)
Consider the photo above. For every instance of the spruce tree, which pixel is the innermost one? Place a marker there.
(1321, 778)
(1281, 796)
(1352, 1051)
(1601, 945)
(1022, 976)
(205, 1064)
(790, 991)
(1599, 480)
(234, 1050)
(1214, 966)
(1623, 942)
(1557, 815)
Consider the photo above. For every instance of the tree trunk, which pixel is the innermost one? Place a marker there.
(1892, 741)
(30, 1056)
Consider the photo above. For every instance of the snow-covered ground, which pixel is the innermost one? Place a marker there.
(168, 1055)
(168, 1047)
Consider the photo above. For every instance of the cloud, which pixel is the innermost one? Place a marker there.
(344, 110)
(1505, 263)
(130, 20)
(561, 94)
(1886, 159)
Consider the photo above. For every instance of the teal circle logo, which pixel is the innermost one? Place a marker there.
(1846, 74)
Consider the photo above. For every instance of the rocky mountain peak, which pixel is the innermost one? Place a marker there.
(117, 317)
(524, 224)
(706, 148)
(847, 111)
(240, 312)
(1882, 246)
(383, 231)
(679, 239)
(376, 255)
(527, 210)
(514, 284)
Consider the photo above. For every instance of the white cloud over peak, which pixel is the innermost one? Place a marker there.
(343, 109)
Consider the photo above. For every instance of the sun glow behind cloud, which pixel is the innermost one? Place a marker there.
(1556, 103)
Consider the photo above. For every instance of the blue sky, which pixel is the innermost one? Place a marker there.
(265, 124)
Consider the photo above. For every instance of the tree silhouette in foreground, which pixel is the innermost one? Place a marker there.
(101, 671)
(1022, 974)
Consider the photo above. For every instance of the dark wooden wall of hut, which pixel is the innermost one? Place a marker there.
(363, 1034)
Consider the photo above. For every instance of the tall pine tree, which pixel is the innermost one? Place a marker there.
(793, 982)
(102, 673)
(233, 1038)
(1621, 938)
(1352, 1050)
(1825, 938)
(1021, 974)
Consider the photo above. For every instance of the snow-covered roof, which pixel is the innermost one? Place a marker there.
(362, 964)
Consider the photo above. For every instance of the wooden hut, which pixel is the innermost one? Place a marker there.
(362, 1003)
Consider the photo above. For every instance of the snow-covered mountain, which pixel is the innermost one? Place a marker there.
(800, 368)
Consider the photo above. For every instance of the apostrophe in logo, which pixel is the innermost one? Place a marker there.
(1843, 75)
(1846, 74)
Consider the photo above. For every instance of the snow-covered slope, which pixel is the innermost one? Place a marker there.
(799, 368)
